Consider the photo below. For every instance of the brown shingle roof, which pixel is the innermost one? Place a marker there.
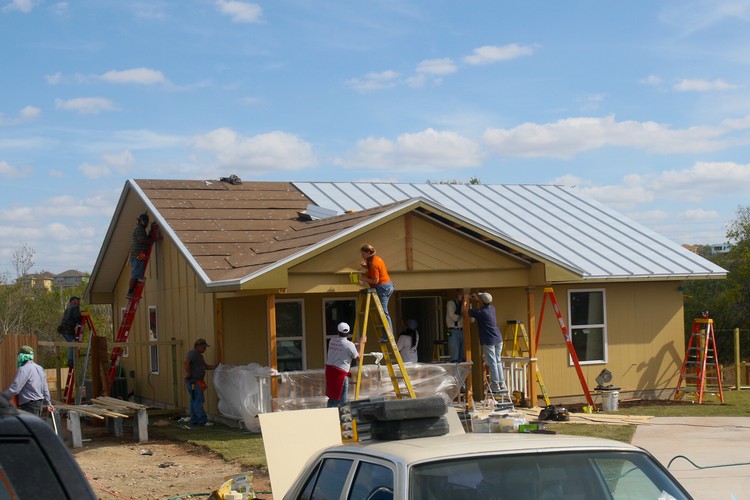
(232, 231)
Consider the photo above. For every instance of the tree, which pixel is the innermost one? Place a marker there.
(23, 259)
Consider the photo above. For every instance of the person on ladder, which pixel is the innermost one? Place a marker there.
(377, 278)
(70, 323)
(341, 353)
(138, 246)
(490, 339)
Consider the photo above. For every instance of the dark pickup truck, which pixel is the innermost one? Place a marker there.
(34, 462)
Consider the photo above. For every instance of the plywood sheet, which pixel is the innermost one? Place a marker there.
(289, 444)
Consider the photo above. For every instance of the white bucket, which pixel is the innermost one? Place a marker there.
(609, 403)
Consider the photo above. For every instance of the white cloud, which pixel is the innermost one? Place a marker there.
(568, 137)
(489, 54)
(699, 214)
(262, 153)
(8, 171)
(704, 180)
(626, 195)
(54, 79)
(240, 12)
(651, 80)
(120, 163)
(702, 85)
(140, 76)
(444, 66)
(24, 6)
(425, 151)
(25, 115)
(374, 81)
(86, 105)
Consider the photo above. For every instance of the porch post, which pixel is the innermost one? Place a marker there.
(531, 321)
(467, 348)
(273, 361)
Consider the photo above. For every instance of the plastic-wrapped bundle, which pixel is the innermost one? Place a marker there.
(244, 392)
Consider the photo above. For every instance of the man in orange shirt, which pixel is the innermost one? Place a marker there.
(377, 277)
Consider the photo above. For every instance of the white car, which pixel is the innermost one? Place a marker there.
(513, 466)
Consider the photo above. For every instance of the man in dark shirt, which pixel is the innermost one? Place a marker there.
(138, 245)
(490, 339)
(71, 320)
(195, 367)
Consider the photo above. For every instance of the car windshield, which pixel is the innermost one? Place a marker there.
(589, 475)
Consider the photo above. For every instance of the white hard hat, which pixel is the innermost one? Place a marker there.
(486, 297)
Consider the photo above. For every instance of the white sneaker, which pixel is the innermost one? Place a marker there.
(208, 424)
(184, 419)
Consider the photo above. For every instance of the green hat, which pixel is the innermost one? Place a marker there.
(26, 350)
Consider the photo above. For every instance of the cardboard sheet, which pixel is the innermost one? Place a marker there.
(291, 438)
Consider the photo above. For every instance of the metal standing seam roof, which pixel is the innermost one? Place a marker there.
(555, 221)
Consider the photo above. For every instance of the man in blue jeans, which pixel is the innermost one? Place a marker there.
(490, 339)
(195, 367)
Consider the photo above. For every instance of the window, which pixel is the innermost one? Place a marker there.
(153, 336)
(588, 325)
(336, 311)
(372, 481)
(328, 480)
(290, 335)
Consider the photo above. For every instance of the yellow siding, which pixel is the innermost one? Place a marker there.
(441, 259)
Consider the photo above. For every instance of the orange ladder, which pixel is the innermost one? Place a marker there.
(549, 292)
(129, 315)
(700, 372)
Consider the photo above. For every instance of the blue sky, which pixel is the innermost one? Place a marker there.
(643, 105)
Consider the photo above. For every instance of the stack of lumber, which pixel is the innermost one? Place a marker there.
(103, 407)
(592, 418)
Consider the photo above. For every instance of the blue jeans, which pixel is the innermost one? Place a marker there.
(197, 413)
(137, 268)
(70, 338)
(384, 292)
(456, 346)
(494, 364)
(332, 403)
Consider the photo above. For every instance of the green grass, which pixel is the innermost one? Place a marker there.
(247, 448)
(232, 444)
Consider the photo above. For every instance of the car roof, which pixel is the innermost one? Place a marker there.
(455, 445)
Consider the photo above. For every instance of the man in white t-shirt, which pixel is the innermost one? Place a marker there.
(341, 353)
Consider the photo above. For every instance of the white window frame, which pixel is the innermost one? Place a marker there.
(301, 326)
(153, 336)
(329, 333)
(603, 326)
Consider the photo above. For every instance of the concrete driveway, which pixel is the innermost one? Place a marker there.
(709, 442)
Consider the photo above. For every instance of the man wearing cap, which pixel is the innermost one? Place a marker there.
(341, 353)
(138, 245)
(69, 324)
(195, 367)
(30, 384)
(490, 339)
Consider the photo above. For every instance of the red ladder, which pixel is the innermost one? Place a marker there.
(549, 292)
(701, 363)
(129, 315)
(70, 384)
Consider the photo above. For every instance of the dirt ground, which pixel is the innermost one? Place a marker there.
(119, 468)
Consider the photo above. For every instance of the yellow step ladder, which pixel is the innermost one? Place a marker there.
(370, 314)
(512, 330)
